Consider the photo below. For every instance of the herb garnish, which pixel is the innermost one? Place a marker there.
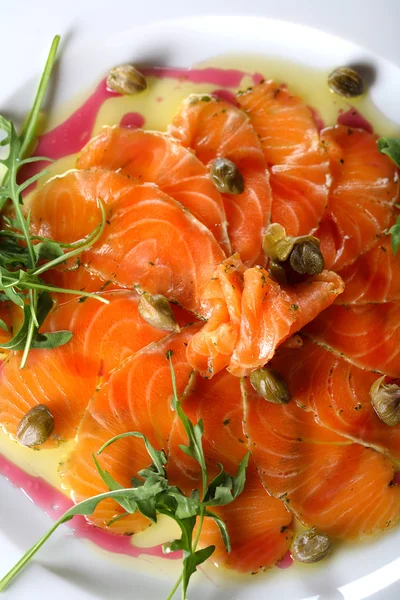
(391, 147)
(152, 494)
(24, 257)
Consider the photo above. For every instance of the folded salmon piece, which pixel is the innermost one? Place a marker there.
(251, 315)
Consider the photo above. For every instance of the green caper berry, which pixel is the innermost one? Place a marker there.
(126, 80)
(385, 400)
(35, 427)
(306, 258)
(157, 311)
(311, 546)
(346, 82)
(226, 176)
(270, 385)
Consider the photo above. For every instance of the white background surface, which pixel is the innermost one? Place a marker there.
(371, 23)
(27, 28)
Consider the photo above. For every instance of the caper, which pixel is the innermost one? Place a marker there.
(311, 546)
(385, 399)
(126, 80)
(346, 82)
(157, 311)
(35, 427)
(226, 176)
(270, 385)
(302, 252)
(276, 244)
(306, 258)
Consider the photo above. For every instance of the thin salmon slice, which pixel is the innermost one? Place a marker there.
(66, 208)
(271, 314)
(338, 394)
(341, 488)
(367, 336)
(76, 277)
(210, 350)
(363, 191)
(251, 315)
(259, 525)
(374, 277)
(215, 128)
(137, 397)
(299, 167)
(149, 240)
(65, 378)
(149, 156)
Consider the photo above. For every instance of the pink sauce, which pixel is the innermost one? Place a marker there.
(55, 504)
(226, 95)
(317, 118)
(396, 478)
(286, 561)
(132, 120)
(210, 75)
(352, 118)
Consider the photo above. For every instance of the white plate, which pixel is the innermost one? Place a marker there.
(68, 567)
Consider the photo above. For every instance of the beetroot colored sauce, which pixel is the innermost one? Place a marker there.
(396, 478)
(132, 120)
(210, 75)
(317, 118)
(226, 95)
(286, 561)
(55, 504)
(352, 118)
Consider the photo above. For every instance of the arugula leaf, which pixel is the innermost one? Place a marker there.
(190, 563)
(152, 495)
(390, 147)
(3, 325)
(394, 231)
(157, 456)
(39, 340)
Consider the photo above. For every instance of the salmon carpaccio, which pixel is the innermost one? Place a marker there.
(149, 240)
(367, 335)
(373, 277)
(251, 315)
(214, 128)
(299, 167)
(328, 482)
(149, 156)
(338, 393)
(362, 195)
(259, 525)
(65, 378)
(137, 397)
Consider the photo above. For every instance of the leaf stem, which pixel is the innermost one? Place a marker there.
(28, 132)
(176, 586)
(27, 556)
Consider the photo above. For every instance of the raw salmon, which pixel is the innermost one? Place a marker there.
(149, 156)
(338, 394)
(258, 525)
(66, 208)
(341, 488)
(374, 277)
(137, 397)
(215, 128)
(368, 336)
(363, 191)
(299, 167)
(210, 350)
(65, 378)
(149, 239)
(252, 314)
